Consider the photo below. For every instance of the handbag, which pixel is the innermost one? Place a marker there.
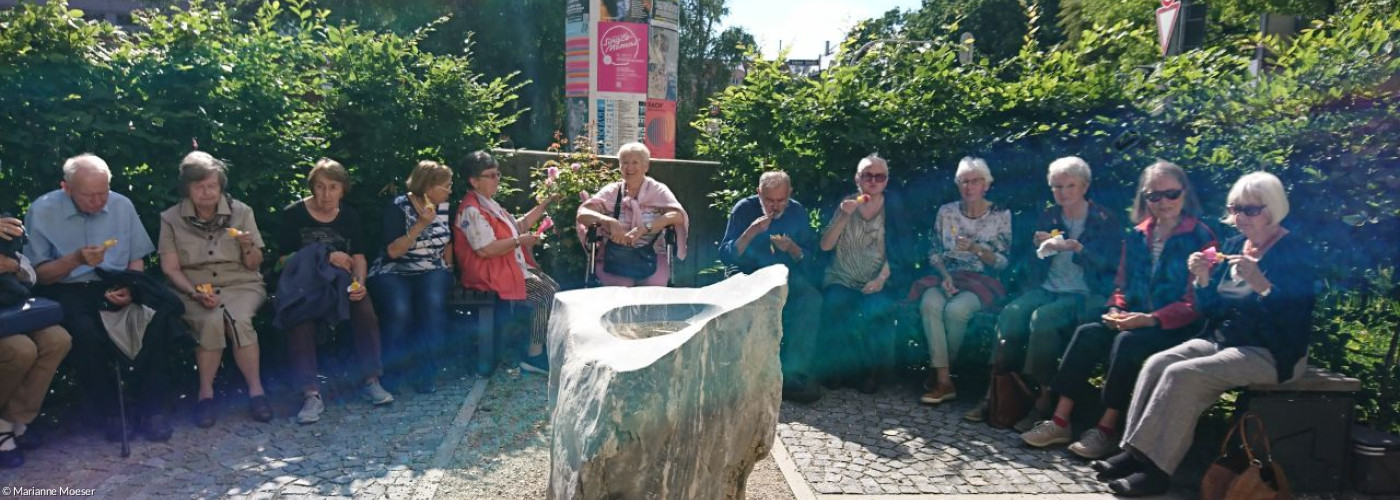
(31, 315)
(637, 263)
(1243, 476)
(1010, 398)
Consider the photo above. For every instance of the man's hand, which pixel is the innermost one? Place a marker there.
(758, 226)
(91, 255)
(783, 242)
(342, 260)
(358, 294)
(11, 228)
(120, 296)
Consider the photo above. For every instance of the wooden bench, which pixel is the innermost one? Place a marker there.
(482, 304)
(1309, 422)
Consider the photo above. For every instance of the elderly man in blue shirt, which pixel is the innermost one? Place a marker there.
(772, 228)
(73, 231)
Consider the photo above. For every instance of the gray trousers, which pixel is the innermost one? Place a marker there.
(1177, 385)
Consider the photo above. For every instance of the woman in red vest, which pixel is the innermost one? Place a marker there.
(493, 252)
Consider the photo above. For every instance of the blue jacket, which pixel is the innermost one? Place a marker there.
(1103, 247)
(1280, 322)
(795, 223)
(1167, 293)
(311, 289)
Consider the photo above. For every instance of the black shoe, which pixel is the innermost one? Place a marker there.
(801, 391)
(156, 428)
(259, 409)
(1141, 484)
(112, 428)
(10, 459)
(31, 440)
(204, 413)
(1116, 467)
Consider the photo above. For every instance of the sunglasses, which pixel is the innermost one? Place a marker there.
(1245, 210)
(1156, 196)
(869, 177)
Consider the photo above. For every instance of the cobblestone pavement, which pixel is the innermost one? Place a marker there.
(888, 443)
(355, 450)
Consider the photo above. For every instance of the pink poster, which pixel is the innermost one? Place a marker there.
(622, 57)
(661, 128)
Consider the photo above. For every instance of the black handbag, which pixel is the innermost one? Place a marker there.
(637, 263)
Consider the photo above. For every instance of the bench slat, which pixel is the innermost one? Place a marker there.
(1313, 380)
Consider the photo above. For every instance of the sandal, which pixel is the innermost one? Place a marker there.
(260, 409)
(10, 459)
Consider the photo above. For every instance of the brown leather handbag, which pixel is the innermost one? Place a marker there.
(1244, 476)
(1010, 398)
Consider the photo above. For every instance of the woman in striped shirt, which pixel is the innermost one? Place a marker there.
(410, 279)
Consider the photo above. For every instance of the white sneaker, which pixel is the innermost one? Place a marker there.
(1093, 444)
(375, 394)
(1046, 433)
(311, 409)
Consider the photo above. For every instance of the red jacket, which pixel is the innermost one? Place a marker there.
(500, 274)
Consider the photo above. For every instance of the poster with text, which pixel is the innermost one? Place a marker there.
(619, 122)
(661, 128)
(665, 13)
(622, 57)
(622, 10)
(664, 46)
(576, 13)
(576, 66)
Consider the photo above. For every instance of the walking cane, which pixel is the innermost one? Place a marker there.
(121, 410)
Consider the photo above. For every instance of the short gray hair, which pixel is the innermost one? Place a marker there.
(198, 166)
(871, 159)
(1072, 165)
(1263, 188)
(634, 148)
(85, 161)
(973, 165)
(773, 179)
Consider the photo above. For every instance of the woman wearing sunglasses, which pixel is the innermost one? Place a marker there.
(1257, 296)
(1151, 309)
(872, 254)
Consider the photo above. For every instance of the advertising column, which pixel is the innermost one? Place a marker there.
(620, 73)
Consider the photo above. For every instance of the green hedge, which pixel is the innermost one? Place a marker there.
(269, 93)
(1323, 119)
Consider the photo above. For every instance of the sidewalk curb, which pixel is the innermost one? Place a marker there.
(427, 486)
(796, 484)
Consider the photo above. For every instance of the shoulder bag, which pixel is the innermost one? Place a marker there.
(1245, 476)
(637, 263)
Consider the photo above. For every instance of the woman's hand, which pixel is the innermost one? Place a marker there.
(1040, 237)
(10, 228)
(874, 286)
(963, 244)
(427, 213)
(527, 239)
(342, 260)
(1070, 246)
(848, 207)
(617, 233)
(358, 293)
(245, 238)
(120, 296)
(1132, 321)
(1199, 266)
(949, 289)
(1248, 269)
(208, 300)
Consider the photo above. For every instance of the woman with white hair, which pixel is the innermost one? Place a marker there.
(1078, 243)
(1257, 294)
(633, 213)
(970, 242)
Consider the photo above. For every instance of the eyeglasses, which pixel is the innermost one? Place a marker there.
(1156, 196)
(1245, 210)
(869, 177)
(971, 180)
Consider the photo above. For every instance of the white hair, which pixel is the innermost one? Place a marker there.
(1262, 188)
(773, 179)
(973, 165)
(85, 161)
(1072, 165)
(634, 148)
(871, 159)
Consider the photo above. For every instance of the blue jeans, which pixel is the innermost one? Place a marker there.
(412, 320)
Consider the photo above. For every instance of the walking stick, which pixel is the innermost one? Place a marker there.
(121, 410)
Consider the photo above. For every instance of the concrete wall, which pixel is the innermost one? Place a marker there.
(691, 181)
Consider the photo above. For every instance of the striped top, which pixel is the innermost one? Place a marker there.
(860, 252)
(427, 251)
